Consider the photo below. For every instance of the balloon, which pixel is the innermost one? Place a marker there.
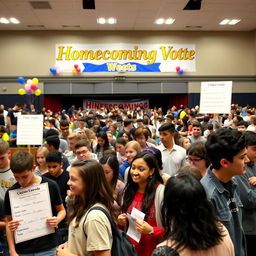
(74, 70)
(21, 91)
(33, 87)
(28, 92)
(177, 68)
(76, 66)
(27, 87)
(21, 80)
(37, 92)
(78, 70)
(53, 70)
(35, 81)
(181, 71)
(29, 81)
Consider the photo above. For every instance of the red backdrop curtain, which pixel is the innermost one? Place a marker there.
(53, 102)
(178, 99)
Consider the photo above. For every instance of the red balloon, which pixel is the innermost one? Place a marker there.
(78, 70)
(33, 87)
(177, 68)
(76, 66)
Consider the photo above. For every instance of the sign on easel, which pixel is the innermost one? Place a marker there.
(30, 130)
(215, 97)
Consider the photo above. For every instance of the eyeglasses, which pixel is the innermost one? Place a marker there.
(194, 160)
(63, 129)
(81, 152)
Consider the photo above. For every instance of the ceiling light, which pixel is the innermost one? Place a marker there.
(169, 21)
(224, 22)
(14, 21)
(4, 21)
(160, 21)
(111, 21)
(101, 20)
(233, 22)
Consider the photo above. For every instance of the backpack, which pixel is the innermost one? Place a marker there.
(121, 245)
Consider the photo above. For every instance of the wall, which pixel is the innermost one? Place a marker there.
(30, 53)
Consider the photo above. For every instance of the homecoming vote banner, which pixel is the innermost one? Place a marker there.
(126, 57)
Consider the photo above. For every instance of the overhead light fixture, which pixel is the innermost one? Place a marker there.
(161, 21)
(169, 21)
(108, 21)
(111, 21)
(234, 22)
(14, 21)
(4, 21)
(229, 22)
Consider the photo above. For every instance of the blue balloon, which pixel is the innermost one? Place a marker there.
(181, 71)
(21, 80)
(53, 70)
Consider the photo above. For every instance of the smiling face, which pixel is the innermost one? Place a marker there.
(40, 158)
(130, 153)
(140, 171)
(75, 182)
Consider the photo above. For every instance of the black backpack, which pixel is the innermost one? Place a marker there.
(121, 245)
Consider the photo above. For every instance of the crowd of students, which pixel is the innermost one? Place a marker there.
(193, 176)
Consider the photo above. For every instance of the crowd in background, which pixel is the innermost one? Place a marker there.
(152, 161)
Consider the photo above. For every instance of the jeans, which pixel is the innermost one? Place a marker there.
(51, 252)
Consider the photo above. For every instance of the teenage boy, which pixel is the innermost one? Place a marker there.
(21, 164)
(6, 176)
(52, 144)
(61, 177)
(83, 150)
(173, 156)
(228, 156)
(247, 190)
(196, 133)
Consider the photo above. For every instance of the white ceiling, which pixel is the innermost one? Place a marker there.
(130, 15)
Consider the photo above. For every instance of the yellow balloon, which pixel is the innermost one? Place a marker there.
(37, 92)
(74, 70)
(21, 91)
(35, 81)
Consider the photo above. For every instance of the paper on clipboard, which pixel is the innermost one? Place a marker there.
(31, 206)
(135, 215)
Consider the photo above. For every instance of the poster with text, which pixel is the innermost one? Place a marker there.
(215, 97)
(30, 130)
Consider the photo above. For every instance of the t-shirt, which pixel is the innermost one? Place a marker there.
(6, 181)
(13, 116)
(92, 234)
(43, 243)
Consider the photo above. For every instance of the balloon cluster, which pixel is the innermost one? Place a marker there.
(179, 70)
(76, 69)
(30, 87)
(55, 70)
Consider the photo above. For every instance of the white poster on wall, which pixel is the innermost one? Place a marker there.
(30, 130)
(215, 97)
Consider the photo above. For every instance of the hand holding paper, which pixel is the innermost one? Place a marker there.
(143, 227)
(13, 225)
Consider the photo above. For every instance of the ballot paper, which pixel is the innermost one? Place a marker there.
(31, 206)
(132, 218)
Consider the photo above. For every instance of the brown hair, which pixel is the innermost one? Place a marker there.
(4, 146)
(21, 161)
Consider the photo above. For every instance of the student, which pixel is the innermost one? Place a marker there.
(61, 177)
(132, 148)
(141, 135)
(41, 167)
(184, 142)
(197, 157)
(144, 192)
(110, 166)
(83, 151)
(52, 144)
(89, 232)
(196, 133)
(228, 156)
(21, 164)
(247, 192)
(191, 222)
(120, 150)
(102, 145)
(173, 156)
(6, 176)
